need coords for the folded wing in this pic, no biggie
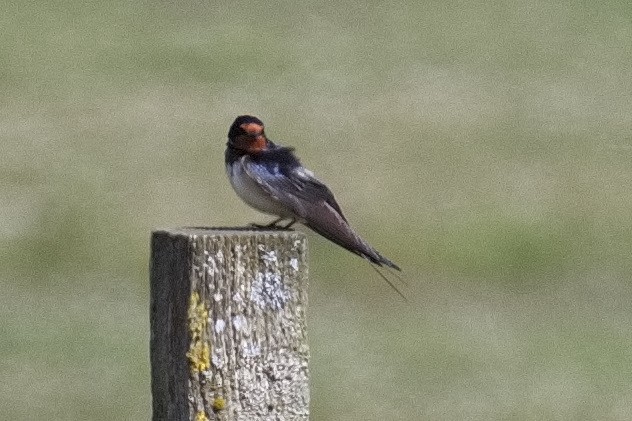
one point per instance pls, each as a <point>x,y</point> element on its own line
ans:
<point>312,202</point>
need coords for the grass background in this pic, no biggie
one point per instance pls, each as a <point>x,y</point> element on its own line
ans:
<point>484,147</point>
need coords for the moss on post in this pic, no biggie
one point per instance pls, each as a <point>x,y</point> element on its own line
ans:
<point>228,334</point>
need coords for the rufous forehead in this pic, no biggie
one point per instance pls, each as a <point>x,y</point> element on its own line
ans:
<point>252,128</point>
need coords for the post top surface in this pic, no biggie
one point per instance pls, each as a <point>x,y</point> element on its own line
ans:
<point>211,231</point>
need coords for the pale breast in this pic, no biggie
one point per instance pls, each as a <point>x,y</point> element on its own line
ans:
<point>251,193</point>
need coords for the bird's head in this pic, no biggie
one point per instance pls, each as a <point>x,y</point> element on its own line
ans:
<point>247,135</point>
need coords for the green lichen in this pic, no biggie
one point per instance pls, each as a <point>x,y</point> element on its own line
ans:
<point>199,350</point>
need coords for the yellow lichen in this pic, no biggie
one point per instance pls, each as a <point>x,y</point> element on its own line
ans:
<point>219,404</point>
<point>198,355</point>
<point>198,316</point>
<point>201,416</point>
<point>199,350</point>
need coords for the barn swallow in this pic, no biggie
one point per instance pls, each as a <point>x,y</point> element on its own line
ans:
<point>271,179</point>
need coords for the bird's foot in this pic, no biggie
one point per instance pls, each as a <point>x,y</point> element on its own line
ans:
<point>292,222</point>
<point>274,225</point>
<point>258,226</point>
<point>271,226</point>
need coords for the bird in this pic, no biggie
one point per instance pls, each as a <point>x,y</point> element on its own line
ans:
<point>271,179</point>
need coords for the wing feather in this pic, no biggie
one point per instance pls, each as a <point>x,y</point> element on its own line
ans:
<point>313,203</point>
<point>294,187</point>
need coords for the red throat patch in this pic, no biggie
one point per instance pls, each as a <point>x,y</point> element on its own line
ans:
<point>254,140</point>
<point>258,144</point>
<point>252,129</point>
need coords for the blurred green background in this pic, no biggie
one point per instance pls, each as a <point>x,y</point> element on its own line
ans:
<point>485,148</point>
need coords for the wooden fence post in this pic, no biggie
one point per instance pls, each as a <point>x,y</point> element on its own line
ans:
<point>228,335</point>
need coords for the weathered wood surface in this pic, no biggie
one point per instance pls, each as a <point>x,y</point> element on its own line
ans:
<point>228,333</point>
